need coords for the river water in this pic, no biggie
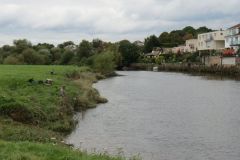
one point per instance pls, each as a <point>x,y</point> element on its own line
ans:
<point>163,116</point>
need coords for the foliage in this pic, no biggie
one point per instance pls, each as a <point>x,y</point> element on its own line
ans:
<point>11,60</point>
<point>21,45</point>
<point>104,63</point>
<point>67,57</point>
<point>84,49</point>
<point>178,37</point>
<point>67,53</point>
<point>150,43</point>
<point>32,57</point>
<point>129,52</point>
<point>159,60</point>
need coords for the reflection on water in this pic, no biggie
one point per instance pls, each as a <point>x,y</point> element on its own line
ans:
<point>163,116</point>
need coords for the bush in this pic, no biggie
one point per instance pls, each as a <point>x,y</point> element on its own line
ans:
<point>104,63</point>
<point>11,60</point>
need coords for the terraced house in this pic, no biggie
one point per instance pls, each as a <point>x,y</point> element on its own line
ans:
<point>232,38</point>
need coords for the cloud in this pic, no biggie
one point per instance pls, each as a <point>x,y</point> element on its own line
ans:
<point>60,20</point>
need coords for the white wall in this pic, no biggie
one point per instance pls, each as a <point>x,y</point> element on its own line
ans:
<point>229,60</point>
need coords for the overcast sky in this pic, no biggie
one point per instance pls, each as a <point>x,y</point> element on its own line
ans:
<point>55,21</point>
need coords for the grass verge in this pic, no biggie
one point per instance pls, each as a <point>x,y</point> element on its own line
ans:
<point>38,151</point>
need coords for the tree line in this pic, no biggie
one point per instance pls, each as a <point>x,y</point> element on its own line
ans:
<point>86,53</point>
<point>97,53</point>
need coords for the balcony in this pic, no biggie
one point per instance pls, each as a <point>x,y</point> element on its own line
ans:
<point>233,32</point>
<point>235,43</point>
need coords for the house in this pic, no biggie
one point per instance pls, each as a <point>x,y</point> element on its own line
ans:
<point>232,38</point>
<point>191,45</point>
<point>178,50</point>
<point>155,52</point>
<point>211,41</point>
<point>139,43</point>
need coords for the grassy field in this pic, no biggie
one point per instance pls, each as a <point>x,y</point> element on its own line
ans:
<point>37,151</point>
<point>35,111</point>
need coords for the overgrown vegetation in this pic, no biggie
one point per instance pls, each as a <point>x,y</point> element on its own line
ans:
<point>27,102</point>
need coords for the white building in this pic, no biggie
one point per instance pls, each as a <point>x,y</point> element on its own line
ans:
<point>191,45</point>
<point>178,50</point>
<point>211,40</point>
<point>232,38</point>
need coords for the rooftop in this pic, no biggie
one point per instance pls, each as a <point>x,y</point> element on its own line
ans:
<point>236,26</point>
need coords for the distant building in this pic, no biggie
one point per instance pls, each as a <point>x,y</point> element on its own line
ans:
<point>232,38</point>
<point>179,50</point>
<point>155,52</point>
<point>191,45</point>
<point>139,43</point>
<point>211,40</point>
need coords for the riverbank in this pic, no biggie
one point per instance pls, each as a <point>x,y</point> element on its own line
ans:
<point>37,105</point>
<point>231,71</point>
<point>38,151</point>
<point>29,104</point>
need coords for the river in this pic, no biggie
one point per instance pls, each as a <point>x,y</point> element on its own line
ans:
<point>163,116</point>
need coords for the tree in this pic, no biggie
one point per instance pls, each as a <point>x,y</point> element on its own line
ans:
<point>84,49</point>
<point>150,43</point>
<point>45,53</point>
<point>43,46</point>
<point>11,60</point>
<point>189,30</point>
<point>164,38</point>
<point>56,55</point>
<point>30,56</point>
<point>67,57</point>
<point>129,52</point>
<point>104,63</point>
<point>176,38</point>
<point>97,43</point>
<point>188,36</point>
<point>203,30</point>
<point>65,44</point>
<point>21,45</point>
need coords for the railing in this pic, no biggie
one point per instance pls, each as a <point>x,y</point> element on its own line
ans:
<point>232,43</point>
<point>233,32</point>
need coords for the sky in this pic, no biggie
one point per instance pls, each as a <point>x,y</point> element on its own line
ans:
<point>56,21</point>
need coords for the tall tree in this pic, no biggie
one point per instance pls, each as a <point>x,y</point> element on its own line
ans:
<point>21,45</point>
<point>150,43</point>
<point>129,52</point>
<point>84,49</point>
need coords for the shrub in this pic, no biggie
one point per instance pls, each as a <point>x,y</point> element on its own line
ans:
<point>104,63</point>
<point>11,60</point>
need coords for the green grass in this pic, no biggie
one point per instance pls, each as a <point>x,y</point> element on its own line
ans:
<point>28,107</point>
<point>37,151</point>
